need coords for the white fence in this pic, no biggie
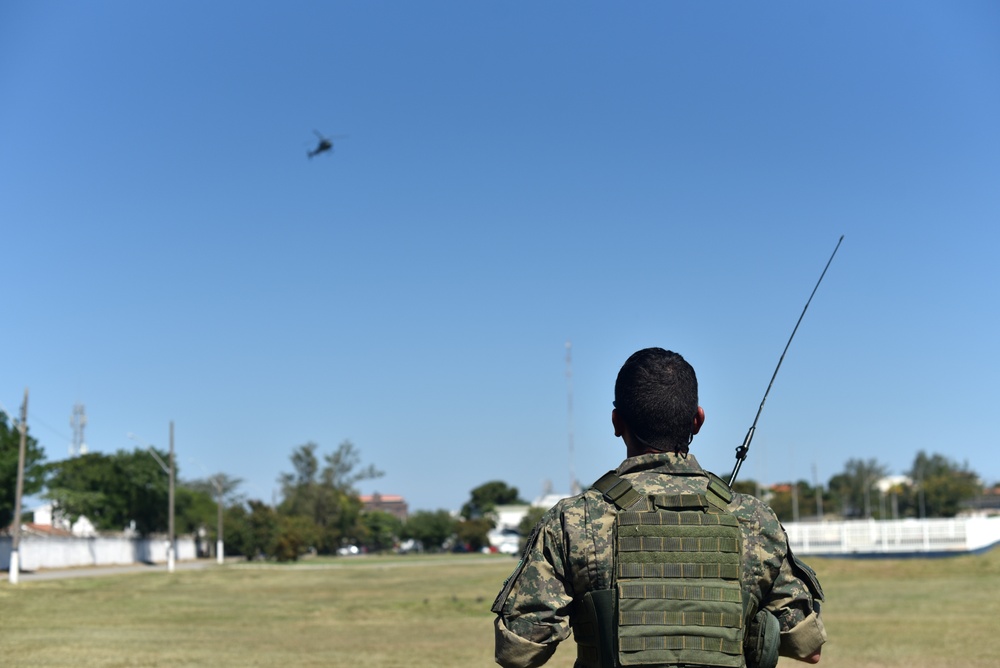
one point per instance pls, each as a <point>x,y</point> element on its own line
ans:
<point>894,537</point>
<point>858,538</point>
<point>42,552</point>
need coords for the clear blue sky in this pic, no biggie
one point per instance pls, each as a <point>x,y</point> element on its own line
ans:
<point>514,176</point>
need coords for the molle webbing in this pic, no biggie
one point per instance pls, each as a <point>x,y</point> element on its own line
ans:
<point>617,490</point>
<point>677,577</point>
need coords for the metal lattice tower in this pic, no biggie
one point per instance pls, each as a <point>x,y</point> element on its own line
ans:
<point>78,421</point>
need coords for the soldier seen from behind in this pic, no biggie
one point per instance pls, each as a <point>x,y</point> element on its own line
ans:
<point>659,563</point>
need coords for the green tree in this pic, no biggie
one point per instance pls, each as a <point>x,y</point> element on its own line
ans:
<point>530,519</point>
<point>220,486</point>
<point>341,471</point>
<point>222,490</point>
<point>112,491</point>
<point>382,530</point>
<point>238,541</point>
<point>485,498</point>
<point>194,509</point>
<point>253,530</point>
<point>941,486</point>
<point>854,489</point>
<point>749,487</point>
<point>326,496</point>
<point>473,534</point>
<point>304,495</point>
<point>430,528</point>
<point>295,535</point>
<point>793,501</point>
<point>34,467</point>
<point>527,524</point>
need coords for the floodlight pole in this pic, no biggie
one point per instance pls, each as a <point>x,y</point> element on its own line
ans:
<point>169,470</point>
<point>15,545</point>
<point>170,547</point>
<point>219,545</point>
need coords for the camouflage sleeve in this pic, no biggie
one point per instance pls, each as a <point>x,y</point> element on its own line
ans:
<point>795,601</point>
<point>789,589</point>
<point>533,605</point>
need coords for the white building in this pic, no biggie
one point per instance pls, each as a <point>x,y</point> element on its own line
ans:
<point>505,537</point>
<point>81,527</point>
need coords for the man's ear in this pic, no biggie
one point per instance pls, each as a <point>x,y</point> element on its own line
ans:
<point>699,419</point>
<point>617,422</point>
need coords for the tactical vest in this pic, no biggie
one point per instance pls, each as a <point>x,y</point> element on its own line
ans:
<point>675,598</point>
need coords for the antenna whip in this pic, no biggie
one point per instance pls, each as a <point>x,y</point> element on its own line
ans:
<point>741,452</point>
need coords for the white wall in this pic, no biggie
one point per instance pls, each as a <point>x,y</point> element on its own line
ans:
<point>42,552</point>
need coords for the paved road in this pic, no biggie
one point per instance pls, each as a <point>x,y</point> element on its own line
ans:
<point>60,573</point>
<point>349,562</point>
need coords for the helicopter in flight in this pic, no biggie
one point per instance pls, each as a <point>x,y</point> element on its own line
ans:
<point>325,144</point>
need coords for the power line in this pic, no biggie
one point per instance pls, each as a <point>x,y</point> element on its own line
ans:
<point>34,419</point>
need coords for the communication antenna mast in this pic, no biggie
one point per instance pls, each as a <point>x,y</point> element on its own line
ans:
<point>78,421</point>
<point>574,486</point>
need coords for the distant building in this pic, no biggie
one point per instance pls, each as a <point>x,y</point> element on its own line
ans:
<point>35,529</point>
<point>986,504</point>
<point>45,516</point>
<point>509,516</point>
<point>389,503</point>
<point>891,482</point>
<point>505,537</point>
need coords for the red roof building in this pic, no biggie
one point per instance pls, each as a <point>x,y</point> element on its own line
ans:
<point>389,503</point>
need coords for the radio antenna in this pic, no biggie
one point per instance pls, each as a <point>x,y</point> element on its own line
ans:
<point>741,452</point>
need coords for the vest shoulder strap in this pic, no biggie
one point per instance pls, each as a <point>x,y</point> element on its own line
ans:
<point>719,493</point>
<point>616,490</point>
<point>620,493</point>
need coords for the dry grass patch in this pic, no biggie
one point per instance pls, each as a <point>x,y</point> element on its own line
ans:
<point>911,613</point>
<point>424,612</point>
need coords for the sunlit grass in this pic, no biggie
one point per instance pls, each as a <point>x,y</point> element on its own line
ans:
<point>912,613</point>
<point>434,612</point>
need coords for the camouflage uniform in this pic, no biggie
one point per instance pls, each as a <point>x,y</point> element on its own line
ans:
<point>570,553</point>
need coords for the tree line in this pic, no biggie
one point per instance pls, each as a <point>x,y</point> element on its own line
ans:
<point>934,486</point>
<point>320,510</point>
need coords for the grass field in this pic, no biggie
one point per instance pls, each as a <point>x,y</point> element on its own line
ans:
<point>418,612</point>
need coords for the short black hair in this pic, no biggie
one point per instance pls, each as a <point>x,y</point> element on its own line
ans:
<point>657,395</point>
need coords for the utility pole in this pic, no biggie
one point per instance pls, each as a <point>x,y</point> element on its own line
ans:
<point>219,545</point>
<point>920,489</point>
<point>819,495</point>
<point>15,546</point>
<point>169,470</point>
<point>795,492</point>
<point>795,501</point>
<point>170,546</point>
<point>868,494</point>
